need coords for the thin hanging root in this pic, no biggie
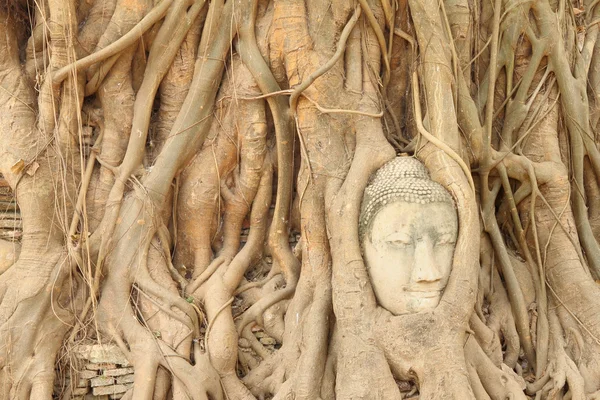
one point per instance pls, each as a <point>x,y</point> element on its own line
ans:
<point>84,187</point>
<point>380,38</point>
<point>341,111</point>
<point>441,145</point>
<point>114,48</point>
<point>339,52</point>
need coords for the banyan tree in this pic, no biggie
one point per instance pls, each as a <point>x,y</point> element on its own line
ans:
<point>209,186</point>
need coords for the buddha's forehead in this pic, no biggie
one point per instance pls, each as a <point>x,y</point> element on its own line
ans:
<point>403,179</point>
<point>413,217</point>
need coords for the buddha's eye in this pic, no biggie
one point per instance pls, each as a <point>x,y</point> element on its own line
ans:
<point>399,241</point>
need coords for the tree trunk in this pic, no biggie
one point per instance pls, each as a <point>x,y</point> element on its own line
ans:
<point>183,179</point>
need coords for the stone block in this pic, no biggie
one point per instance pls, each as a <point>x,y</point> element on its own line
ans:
<point>102,381</point>
<point>118,371</point>
<point>91,396</point>
<point>108,390</point>
<point>125,379</point>
<point>101,354</point>
<point>100,367</point>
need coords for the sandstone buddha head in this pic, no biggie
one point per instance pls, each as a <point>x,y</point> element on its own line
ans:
<point>408,229</point>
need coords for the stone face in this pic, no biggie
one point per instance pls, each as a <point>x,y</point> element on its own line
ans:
<point>118,371</point>
<point>408,231</point>
<point>409,255</point>
<point>108,390</point>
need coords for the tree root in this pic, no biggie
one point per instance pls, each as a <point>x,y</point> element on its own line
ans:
<point>498,383</point>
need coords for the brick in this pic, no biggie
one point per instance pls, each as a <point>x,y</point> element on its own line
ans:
<point>113,389</point>
<point>116,396</point>
<point>100,367</point>
<point>125,379</point>
<point>102,381</point>
<point>118,371</point>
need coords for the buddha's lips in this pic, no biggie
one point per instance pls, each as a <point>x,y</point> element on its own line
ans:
<point>424,293</point>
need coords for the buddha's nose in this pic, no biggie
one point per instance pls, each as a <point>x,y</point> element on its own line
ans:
<point>425,265</point>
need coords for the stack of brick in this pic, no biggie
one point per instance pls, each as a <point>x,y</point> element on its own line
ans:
<point>10,218</point>
<point>106,373</point>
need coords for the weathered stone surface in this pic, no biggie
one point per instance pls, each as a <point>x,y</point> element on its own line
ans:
<point>408,229</point>
<point>102,381</point>
<point>113,389</point>
<point>125,379</point>
<point>87,374</point>
<point>100,354</point>
<point>118,371</point>
<point>91,396</point>
<point>80,391</point>
<point>98,367</point>
<point>82,383</point>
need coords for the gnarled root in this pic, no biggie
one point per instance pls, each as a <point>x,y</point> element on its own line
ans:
<point>499,384</point>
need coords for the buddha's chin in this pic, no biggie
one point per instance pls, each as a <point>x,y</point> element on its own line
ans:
<point>414,302</point>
